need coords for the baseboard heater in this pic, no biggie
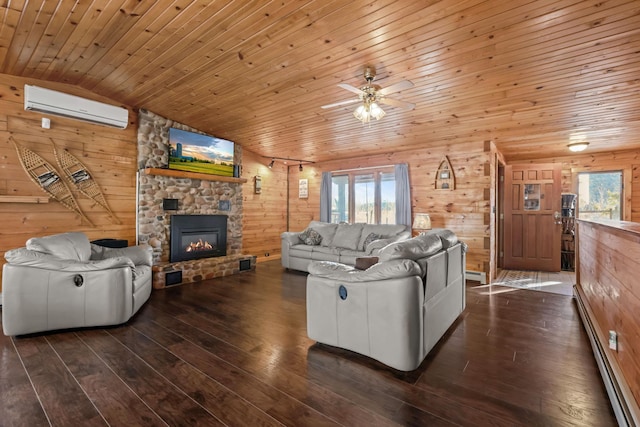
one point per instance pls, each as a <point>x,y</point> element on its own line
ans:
<point>476,276</point>
<point>620,400</point>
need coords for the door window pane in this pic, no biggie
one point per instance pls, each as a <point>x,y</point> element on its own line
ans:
<point>531,197</point>
<point>599,195</point>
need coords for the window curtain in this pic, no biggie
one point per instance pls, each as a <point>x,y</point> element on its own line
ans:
<point>403,195</point>
<point>325,197</point>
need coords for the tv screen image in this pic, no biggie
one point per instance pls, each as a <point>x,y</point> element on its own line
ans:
<point>194,152</point>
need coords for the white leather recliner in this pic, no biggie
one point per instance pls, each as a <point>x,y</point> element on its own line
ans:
<point>395,311</point>
<point>64,281</point>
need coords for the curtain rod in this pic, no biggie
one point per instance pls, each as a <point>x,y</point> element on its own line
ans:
<point>361,169</point>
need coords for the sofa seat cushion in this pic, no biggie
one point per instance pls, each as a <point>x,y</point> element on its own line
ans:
<point>393,269</point>
<point>413,249</point>
<point>301,251</point>
<point>303,248</point>
<point>348,256</point>
<point>74,246</point>
<point>347,236</point>
<point>321,253</point>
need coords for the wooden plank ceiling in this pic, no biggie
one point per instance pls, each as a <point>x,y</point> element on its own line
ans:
<point>530,75</point>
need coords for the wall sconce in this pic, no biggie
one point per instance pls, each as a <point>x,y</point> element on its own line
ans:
<point>578,146</point>
<point>422,221</point>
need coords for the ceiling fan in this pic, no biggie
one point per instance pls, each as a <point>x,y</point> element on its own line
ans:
<point>370,95</point>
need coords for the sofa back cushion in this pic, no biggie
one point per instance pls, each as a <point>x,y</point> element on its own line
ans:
<point>347,236</point>
<point>326,230</point>
<point>394,269</point>
<point>384,230</point>
<point>419,247</point>
<point>73,246</point>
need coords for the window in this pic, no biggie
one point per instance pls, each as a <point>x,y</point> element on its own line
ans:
<point>367,196</point>
<point>599,195</point>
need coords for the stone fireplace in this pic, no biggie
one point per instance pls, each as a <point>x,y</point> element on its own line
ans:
<point>196,197</point>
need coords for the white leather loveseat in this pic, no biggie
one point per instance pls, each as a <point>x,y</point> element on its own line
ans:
<point>63,281</point>
<point>396,310</point>
<point>322,241</point>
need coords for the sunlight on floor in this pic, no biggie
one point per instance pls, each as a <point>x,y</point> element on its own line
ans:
<point>513,280</point>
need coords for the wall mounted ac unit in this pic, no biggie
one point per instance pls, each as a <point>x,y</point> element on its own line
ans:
<point>61,104</point>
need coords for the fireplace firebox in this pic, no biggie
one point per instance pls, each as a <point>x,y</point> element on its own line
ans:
<point>197,236</point>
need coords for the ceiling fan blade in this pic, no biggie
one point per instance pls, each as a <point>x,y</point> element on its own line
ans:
<point>338,104</point>
<point>405,84</point>
<point>396,103</point>
<point>350,88</point>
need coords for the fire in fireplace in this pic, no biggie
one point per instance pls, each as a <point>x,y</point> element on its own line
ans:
<point>197,236</point>
<point>199,246</point>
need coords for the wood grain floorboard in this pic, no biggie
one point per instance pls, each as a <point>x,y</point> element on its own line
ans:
<point>19,404</point>
<point>117,403</point>
<point>61,396</point>
<point>234,351</point>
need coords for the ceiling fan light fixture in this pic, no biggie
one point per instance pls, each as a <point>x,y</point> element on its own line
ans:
<point>362,113</point>
<point>368,111</point>
<point>376,112</point>
<point>578,146</point>
<point>370,96</point>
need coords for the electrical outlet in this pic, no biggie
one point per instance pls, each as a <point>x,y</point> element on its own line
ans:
<point>613,340</point>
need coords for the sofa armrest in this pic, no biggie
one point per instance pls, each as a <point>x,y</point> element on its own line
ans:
<point>25,257</point>
<point>290,237</point>
<point>139,255</point>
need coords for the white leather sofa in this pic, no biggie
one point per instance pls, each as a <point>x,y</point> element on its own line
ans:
<point>396,310</point>
<point>63,281</point>
<point>341,243</point>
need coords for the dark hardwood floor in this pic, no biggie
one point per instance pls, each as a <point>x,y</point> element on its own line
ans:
<point>234,351</point>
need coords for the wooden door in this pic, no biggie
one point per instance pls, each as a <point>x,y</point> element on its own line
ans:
<point>532,233</point>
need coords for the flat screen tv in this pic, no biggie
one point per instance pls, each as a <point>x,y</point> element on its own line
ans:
<point>194,152</point>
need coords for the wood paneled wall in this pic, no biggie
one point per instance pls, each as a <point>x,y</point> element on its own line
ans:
<point>607,275</point>
<point>465,210</point>
<point>264,214</point>
<point>110,155</point>
<point>626,161</point>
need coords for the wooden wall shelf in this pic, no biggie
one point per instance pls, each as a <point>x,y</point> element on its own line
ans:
<point>193,175</point>
<point>445,179</point>
<point>24,199</point>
